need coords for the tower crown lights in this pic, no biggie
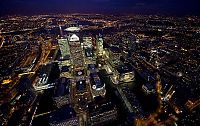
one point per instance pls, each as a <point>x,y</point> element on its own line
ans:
<point>74,38</point>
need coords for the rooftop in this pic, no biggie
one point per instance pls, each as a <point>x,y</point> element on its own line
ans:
<point>81,86</point>
<point>62,87</point>
<point>115,49</point>
<point>62,114</point>
<point>96,82</point>
<point>74,38</point>
<point>100,106</point>
<point>125,68</point>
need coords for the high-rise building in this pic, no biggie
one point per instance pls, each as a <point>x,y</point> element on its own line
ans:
<point>114,56</point>
<point>97,86</point>
<point>77,55</point>
<point>125,73</point>
<point>99,46</point>
<point>61,32</point>
<point>121,72</point>
<point>61,92</point>
<point>80,81</point>
<point>64,116</point>
<point>87,42</point>
<point>101,112</point>
<point>64,48</point>
<point>90,56</point>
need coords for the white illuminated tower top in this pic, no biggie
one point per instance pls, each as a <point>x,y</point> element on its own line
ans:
<point>74,38</point>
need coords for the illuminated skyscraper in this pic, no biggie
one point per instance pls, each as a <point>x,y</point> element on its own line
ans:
<point>87,41</point>
<point>100,46</point>
<point>64,48</point>
<point>97,86</point>
<point>90,57</point>
<point>77,55</point>
<point>80,81</point>
<point>61,32</point>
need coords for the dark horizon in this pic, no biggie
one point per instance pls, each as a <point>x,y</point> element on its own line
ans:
<point>35,7</point>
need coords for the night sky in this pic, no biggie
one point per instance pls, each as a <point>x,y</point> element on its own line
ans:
<point>31,7</point>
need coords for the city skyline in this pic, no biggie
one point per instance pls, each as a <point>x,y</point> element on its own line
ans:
<point>99,63</point>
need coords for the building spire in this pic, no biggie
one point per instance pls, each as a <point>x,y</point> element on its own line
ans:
<point>61,32</point>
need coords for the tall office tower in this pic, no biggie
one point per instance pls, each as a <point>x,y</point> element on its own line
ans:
<point>100,45</point>
<point>114,56</point>
<point>89,51</point>
<point>101,112</point>
<point>80,82</point>
<point>87,42</point>
<point>77,55</point>
<point>64,116</point>
<point>61,32</point>
<point>97,86</point>
<point>76,51</point>
<point>64,48</point>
